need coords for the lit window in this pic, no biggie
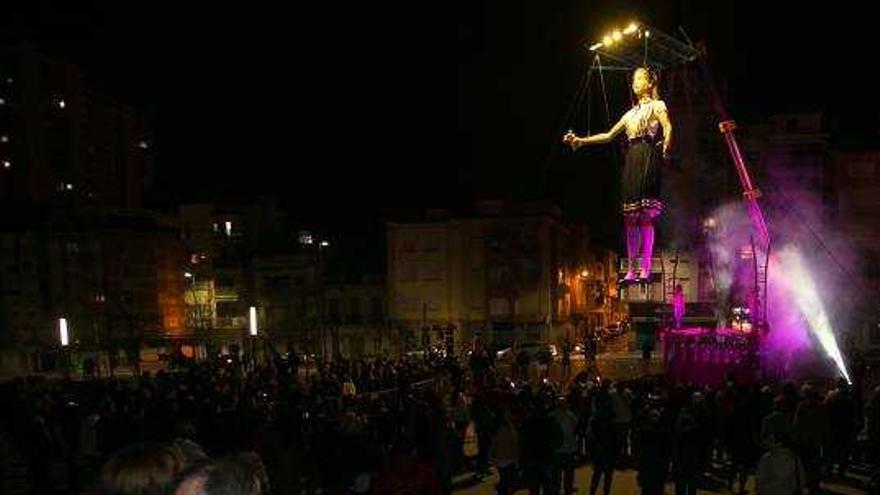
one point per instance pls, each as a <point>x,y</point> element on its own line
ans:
<point>4,139</point>
<point>68,186</point>
<point>2,101</point>
<point>228,226</point>
<point>7,164</point>
<point>62,104</point>
<point>143,145</point>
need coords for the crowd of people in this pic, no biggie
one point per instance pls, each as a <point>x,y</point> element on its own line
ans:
<point>313,428</point>
<point>387,426</point>
<point>790,438</point>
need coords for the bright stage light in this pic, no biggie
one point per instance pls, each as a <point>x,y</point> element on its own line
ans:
<point>631,28</point>
<point>608,40</point>
<point>617,35</point>
<point>596,46</point>
<point>647,34</point>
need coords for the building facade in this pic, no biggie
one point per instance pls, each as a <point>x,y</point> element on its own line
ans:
<point>63,142</point>
<point>504,273</point>
<point>113,275</point>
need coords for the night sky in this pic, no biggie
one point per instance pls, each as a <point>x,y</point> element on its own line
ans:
<point>453,100</point>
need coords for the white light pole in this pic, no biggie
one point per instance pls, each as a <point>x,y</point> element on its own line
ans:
<point>62,332</point>
<point>252,314</point>
<point>252,325</point>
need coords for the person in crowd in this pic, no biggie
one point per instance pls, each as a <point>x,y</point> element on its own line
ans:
<point>780,470</point>
<point>564,462</point>
<point>603,440</point>
<point>147,468</point>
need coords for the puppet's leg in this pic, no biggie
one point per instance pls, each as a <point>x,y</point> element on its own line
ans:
<point>631,223</point>
<point>646,230</point>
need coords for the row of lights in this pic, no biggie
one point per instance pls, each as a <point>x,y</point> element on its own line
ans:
<point>617,36</point>
<point>4,139</point>
<point>64,336</point>
<point>60,103</point>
